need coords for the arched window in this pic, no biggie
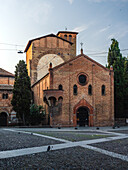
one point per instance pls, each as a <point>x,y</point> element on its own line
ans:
<point>60,87</point>
<point>70,37</point>
<point>52,100</point>
<point>65,37</point>
<point>60,99</point>
<point>90,89</point>
<point>103,90</point>
<point>5,96</point>
<point>75,89</point>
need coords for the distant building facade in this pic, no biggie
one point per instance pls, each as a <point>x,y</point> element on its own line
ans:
<point>74,90</point>
<point>7,115</point>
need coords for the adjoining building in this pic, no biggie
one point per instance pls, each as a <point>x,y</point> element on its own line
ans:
<point>7,115</point>
<point>74,90</point>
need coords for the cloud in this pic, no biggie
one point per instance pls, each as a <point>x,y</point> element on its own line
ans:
<point>99,1</point>
<point>70,1</point>
<point>80,29</point>
<point>111,36</point>
<point>121,32</point>
<point>38,11</point>
<point>104,29</point>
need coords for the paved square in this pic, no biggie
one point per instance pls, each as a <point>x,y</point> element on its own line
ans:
<point>84,148</point>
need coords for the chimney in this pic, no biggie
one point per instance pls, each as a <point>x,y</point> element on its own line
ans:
<point>50,76</point>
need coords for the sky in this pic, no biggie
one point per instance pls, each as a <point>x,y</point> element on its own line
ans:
<point>97,21</point>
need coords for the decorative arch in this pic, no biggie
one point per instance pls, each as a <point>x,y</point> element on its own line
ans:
<point>36,59</point>
<point>83,103</point>
<point>5,111</point>
<point>43,63</point>
<point>52,100</point>
<point>60,98</point>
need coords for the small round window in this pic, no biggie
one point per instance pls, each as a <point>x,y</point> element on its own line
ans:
<point>82,79</point>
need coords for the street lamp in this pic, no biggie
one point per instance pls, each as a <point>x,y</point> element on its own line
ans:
<point>20,52</point>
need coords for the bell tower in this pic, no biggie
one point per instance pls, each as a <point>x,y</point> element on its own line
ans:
<point>69,36</point>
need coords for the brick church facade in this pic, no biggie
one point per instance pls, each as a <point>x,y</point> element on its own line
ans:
<point>74,90</point>
<point>7,115</point>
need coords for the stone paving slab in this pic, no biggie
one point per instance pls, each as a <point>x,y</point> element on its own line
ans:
<point>70,158</point>
<point>117,146</point>
<point>74,136</point>
<point>17,140</point>
<point>121,131</point>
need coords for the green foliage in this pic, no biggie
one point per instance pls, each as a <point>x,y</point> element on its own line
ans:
<point>36,114</point>
<point>120,67</point>
<point>22,92</point>
<point>114,52</point>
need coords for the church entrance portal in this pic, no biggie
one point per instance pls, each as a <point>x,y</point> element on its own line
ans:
<point>82,116</point>
<point>3,119</point>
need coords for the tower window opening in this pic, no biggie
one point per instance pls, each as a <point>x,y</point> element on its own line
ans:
<point>65,37</point>
<point>70,37</point>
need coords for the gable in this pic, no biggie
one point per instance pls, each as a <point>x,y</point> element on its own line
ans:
<point>77,58</point>
<point>4,73</point>
<point>45,37</point>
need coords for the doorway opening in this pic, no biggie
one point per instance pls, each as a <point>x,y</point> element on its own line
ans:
<point>82,116</point>
<point>3,119</point>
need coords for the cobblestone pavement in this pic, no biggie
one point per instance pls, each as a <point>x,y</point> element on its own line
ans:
<point>110,154</point>
<point>117,146</point>
<point>121,131</point>
<point>10,140</point>
<point>65,159</point>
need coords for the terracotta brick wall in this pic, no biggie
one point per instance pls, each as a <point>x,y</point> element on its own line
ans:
<point>7,80</point>
<point>97,76</point>
<point>47,45</point>
<point>6,86</point>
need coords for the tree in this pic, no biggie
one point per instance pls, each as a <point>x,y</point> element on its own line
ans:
<point>119,86</point>
<point>120,67</point>
<point>114,52</point>
<point>36,114</point>
<point>22,92</point>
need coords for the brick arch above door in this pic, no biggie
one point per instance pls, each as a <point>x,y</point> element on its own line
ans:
<point>83,103</point>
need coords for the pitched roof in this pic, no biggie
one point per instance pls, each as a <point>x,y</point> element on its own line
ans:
<point>69,32</point>
<point>80,55</point>
<point>39,80</point>
<point>49,35</point>
<point>4,73</point>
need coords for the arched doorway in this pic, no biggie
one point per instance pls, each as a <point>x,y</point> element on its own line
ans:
<point>3,119</point>
<point>82,116</point>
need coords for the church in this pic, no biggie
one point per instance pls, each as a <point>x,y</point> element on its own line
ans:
<point>73,90</point>
<point>7,115</point>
